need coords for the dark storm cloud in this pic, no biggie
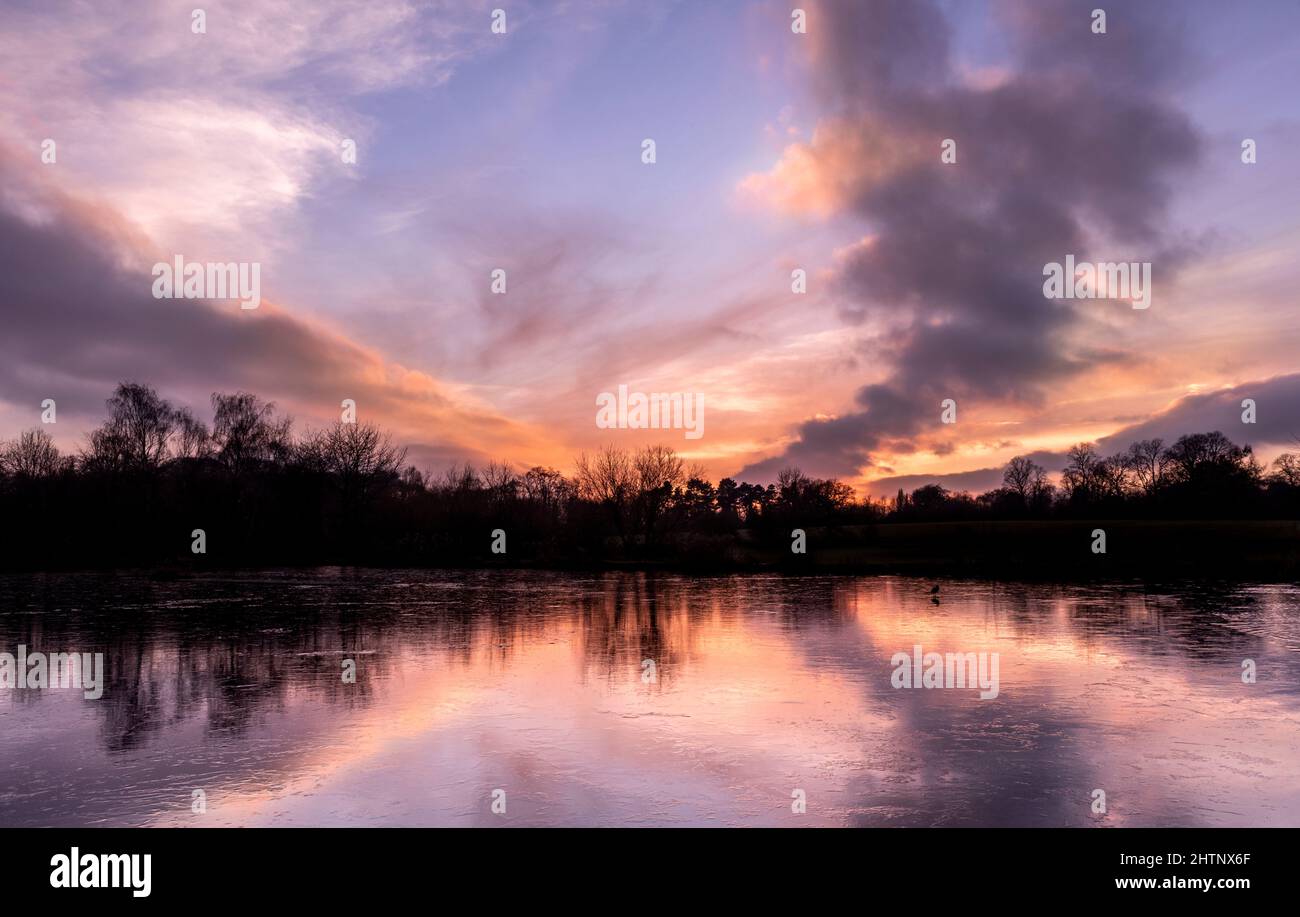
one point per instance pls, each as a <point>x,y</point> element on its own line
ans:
<point>79,317</point>
<point>77,322</point>
<point>871,52</point>
<point>1073,147</point>
<point>1277,425</point>
<point>1277,416</point>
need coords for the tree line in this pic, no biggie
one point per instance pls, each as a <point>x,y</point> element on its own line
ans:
<point>1198,476</point>
<point>153,474</point>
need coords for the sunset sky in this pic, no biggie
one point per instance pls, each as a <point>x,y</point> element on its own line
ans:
<point>775,151</point>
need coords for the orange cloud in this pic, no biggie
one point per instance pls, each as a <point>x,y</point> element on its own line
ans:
<point>823,176</point>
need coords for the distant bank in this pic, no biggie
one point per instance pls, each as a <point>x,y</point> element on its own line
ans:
<point>1075,549</point>
<point>1070,550</point>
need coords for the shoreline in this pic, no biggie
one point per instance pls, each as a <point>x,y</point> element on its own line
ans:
<point>1030,550</point>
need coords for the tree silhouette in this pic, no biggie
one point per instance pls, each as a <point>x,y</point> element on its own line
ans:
<point>153,472</point>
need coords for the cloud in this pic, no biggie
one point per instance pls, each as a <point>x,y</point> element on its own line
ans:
<point>1068,153</point>
<point>1276,428</point>
<point>80,317</point>
<point>976,481</point>
<point>1277,416</point>
<point>820,177</point>
<point>342,47</point>
<point>207,140</point>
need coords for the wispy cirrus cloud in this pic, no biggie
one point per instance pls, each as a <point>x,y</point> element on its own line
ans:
<point>212,139</point>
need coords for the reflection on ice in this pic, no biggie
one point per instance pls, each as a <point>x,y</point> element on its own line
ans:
<point>759,690</point>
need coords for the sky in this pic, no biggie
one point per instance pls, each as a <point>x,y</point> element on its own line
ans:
<point>775,151</point>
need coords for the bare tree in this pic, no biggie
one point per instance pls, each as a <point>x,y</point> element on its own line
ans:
<point>1024,477</point>
<point>460,479</point>
<point>190,439</point>
<point>1286,469</point>
<point>656,466</point>
<point>547,490</point>
<point>1082,475</point>
<point>606,476</point>
<point>545,486</point>
<point>791,483</point>
<point>1145,461</point>
<point>246,431</point>
<point>500,482</point>
<point>139,426</point>
<point>413,478</point>
<point>609,479</point>
<point>32,455</point>
<point>354,452</point>
<point>1112,478</point>
<point>1195,454</point>
<point>658,470</point>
